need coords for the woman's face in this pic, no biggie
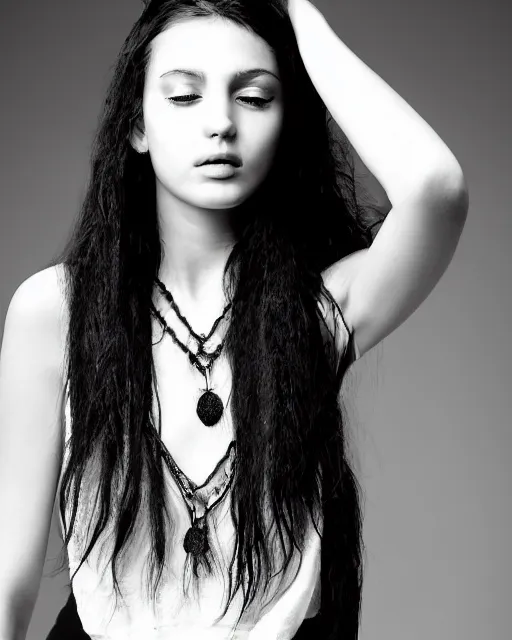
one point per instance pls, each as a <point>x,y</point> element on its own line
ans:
<point>211,87</point>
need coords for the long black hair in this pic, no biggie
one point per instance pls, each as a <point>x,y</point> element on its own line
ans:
<point>286,408</point>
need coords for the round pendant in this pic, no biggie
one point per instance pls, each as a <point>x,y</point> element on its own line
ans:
<point>209,408</point>
<point>196,541</point>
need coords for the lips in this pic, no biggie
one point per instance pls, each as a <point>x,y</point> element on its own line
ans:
<point>221,158</point>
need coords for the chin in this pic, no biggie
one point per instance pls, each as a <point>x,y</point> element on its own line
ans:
<point>222,206</point>
<point>221,200</point>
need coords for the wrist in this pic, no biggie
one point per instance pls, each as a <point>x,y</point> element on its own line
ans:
<point>298,7</point>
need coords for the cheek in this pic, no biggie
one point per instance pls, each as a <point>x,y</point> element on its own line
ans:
<point>169,147</point>
<point>167,136</point>
<point>264,143</point>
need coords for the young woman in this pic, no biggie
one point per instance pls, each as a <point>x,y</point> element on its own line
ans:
<point>174,376</point>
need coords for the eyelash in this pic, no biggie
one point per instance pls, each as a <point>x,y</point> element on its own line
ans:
<point>257,102</point>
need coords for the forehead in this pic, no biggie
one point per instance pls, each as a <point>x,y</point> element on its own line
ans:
<point>212,44</point>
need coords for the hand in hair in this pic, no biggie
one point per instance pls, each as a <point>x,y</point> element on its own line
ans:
<point>290,5</point>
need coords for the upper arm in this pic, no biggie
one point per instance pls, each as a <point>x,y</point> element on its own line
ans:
<point>31,392</point>
<point>380,287</point>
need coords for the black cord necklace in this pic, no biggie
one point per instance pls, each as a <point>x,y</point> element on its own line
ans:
<point>196,538</point>
<point>209,406</point>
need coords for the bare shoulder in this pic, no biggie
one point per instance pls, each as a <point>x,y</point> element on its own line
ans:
<point>337,279</point>
<point>338,276</point>
<point>42,293</point>
<point>39,304</point>
<point>31,434</point>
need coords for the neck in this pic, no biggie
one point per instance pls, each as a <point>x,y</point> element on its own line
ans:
<point>196,243</point>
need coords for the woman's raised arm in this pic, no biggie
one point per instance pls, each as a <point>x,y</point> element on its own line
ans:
<point>380,287</point>
<point>31,410</point>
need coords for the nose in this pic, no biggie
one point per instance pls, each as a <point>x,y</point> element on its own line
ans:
<point>219,119</point>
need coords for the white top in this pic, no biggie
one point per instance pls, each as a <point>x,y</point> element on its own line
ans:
<point>297,596</point>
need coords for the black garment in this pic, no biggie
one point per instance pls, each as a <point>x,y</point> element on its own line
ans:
<point>69,627</point>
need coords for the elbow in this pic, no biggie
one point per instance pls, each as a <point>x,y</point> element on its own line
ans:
<point>450,187</point>
<point>440,183</point>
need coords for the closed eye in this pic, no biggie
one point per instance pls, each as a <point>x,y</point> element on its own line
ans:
<point>257,102</point>
<point>179,99</point>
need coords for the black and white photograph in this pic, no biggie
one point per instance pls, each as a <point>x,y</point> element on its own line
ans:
<point>255,303</point>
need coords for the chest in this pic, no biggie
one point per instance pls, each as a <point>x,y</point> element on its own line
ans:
<point>196,448</point>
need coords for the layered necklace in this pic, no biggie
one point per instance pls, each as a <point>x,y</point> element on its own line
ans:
<point>201,499</point>
<point>209,406</point>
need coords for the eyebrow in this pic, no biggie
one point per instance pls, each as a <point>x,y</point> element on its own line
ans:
<point>248,74</point>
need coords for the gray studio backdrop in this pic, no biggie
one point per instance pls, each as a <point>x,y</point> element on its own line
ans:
<point>431,406</point>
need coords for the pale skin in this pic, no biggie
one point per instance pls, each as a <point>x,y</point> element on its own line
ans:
<point>380,287</point>
<point>377,288</point>
<point>194,210</point>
